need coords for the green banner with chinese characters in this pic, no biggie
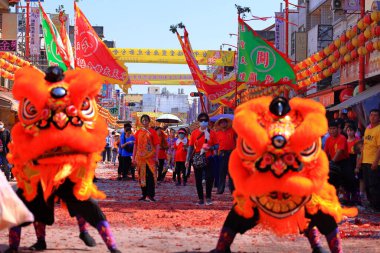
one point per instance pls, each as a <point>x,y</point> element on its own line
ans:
<point>259,62</point>
<point>53,57</point>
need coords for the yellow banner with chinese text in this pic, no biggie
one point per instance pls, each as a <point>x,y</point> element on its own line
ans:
<point>173,56</point>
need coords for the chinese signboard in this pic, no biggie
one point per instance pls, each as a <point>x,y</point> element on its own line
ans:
<point>35,31</point>
<point>8,45</point>
<point>279,32</point>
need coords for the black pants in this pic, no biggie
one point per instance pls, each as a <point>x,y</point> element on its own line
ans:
<point>342,173</point>
<point>223,171</point>
<point>123,166</point>
<point>129,167</point>
<point>209,180</point>
<point>149,189</point>
<point>43,211</point>
<point>324,222</point>
<point>161,163</point>
<point>372,184</point>
<point>5,167</point>
<point>180,169</point>
<point>107,153</point>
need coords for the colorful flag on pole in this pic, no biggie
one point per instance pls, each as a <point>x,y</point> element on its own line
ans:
<point>259,63</point>
<point>91,52</point>
<point>53,42</point>
<point>214,90</point>
<point>69,56</point>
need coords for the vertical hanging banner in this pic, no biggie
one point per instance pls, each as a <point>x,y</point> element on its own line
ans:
<point>259,63</point>
<point>35,31</point>
<point>279,36</point>
<point>92,53</point>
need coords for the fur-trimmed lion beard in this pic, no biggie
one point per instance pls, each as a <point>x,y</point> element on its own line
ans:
<point>51,172</point>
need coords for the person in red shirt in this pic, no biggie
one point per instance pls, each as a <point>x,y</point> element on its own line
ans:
<point>203,141</point>
<point>180,147</point>
<point>227,142</point>
<point>162,155</point>
<point>145,156</point>
<point>341,172</point>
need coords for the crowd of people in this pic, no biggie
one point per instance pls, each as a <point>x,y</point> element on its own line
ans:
<point>355,160</point>
<point>153,152</point>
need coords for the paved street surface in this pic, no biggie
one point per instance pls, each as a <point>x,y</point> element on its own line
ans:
<point>175,224</point>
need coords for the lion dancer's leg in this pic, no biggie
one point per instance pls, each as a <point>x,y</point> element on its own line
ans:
<point>312,235</point>
<point>234,224</point>
<point>326,224</point>
<point>83,232</point>
<point>90,211</point>
<point>14,239</point>
<point>40,230</point>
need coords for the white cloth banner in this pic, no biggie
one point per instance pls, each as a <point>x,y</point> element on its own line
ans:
<point>35,22</point>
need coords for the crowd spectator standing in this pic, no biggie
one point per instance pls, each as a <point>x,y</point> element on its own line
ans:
<point>371,159</point>
<point>227,142</point>
<point>201,147</point>
<point>5,138</point>
<point>115,147</point>
<point>127,141</point>
<point>171,152</point>
<point>162,155</point>
<point>341,172</point>
<point>352,141</point>
<point>107,149</point>
<point>145,156</point>
<point>180,147</point>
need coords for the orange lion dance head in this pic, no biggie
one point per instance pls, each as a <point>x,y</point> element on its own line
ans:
<point>279,166</point>
<point>60,133</point>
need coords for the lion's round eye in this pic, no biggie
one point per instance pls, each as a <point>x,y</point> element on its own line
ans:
<point>311,150</point>
<point>29,111</point>
<point>87,108</point>
<point>247,150</point>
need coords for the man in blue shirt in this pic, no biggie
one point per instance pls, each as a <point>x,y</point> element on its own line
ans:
<point>127,141</point>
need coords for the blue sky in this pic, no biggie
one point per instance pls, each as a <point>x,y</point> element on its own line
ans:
<point>145,24</point>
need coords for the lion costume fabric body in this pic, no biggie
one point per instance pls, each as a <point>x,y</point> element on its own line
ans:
<point>280,171</point>
<point>56,144</point>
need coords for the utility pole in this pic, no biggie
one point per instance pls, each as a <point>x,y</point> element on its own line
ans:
<point>361,57</point>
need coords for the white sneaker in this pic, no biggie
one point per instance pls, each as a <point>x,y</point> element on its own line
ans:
<point>203,181</point>
<point>208,202</point>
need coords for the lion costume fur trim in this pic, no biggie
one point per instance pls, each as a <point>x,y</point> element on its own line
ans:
<point>29,142</point>
<point>312,180</point>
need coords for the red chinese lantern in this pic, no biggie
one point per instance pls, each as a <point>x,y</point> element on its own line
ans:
<point>346,94</point>
<point>367,19</point>
<point>361,39</point>
<point>377,31</point>
<point>322,54</point>
<point>349,46</point>
<point>369,46</point>
<point>354,54</point>
<point>336,54</point>
<point>351,115</point>
<point>332,47</point>
<point>343,38</point>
